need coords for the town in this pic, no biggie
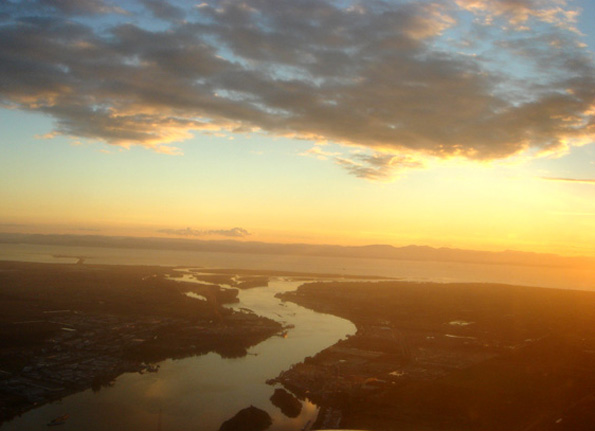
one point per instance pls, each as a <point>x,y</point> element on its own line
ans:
<point>57,341</point>
<point>451,356</point>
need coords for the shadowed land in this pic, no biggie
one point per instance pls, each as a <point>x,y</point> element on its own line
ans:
<point>452,357</point>
<point>248,419</point>
<point>426,356</point>
<point>65,328</point>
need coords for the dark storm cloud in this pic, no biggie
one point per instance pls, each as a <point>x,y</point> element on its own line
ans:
<point>369,75</point>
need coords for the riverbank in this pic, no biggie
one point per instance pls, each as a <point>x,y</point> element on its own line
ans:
<point>65,328</point>
<point>451,357</point>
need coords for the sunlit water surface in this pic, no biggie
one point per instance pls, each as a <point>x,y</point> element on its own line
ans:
<point>200,393</point>
<point>563,278</point>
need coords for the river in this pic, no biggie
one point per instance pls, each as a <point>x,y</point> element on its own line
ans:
<point>200,393</point>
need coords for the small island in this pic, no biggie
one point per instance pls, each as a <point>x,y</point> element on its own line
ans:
<point>290,406</point>
<point>248,419</point>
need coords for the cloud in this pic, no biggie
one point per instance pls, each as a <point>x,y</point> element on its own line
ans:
<point>378,167</point>
<point>570,180</point>
<point>319,153</point>
<point>236,232</point>
<point>519,12</point>
<point>82,7</point>
<point>162,9</point>
<point>382,76</point>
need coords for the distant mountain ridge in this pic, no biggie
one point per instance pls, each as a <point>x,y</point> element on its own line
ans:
<point>377,251</point>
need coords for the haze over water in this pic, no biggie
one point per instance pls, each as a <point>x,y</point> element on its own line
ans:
<point>463,125</point>
<point>444,272</point>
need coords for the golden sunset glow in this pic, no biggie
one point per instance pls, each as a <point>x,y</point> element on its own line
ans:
<point>285,215</point>
<point>429,123</point>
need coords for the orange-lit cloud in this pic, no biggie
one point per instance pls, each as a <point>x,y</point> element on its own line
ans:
<point>377,76</point>
<point>519,12</point>
<point>570,180</point>
<point>319,153</point>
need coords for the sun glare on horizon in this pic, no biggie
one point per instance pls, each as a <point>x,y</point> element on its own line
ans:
<point>449,124</point>
<point>283,215</point>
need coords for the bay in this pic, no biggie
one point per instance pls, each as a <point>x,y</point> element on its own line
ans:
<point>444,272</point>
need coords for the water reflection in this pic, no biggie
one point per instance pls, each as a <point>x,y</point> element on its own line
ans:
<point>287,403</point>
<point>203,392</point>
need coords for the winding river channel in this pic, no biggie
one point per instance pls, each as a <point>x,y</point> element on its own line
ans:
<point>201,392</point>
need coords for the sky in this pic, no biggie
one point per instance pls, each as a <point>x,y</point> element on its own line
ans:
<point>451,123</point>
